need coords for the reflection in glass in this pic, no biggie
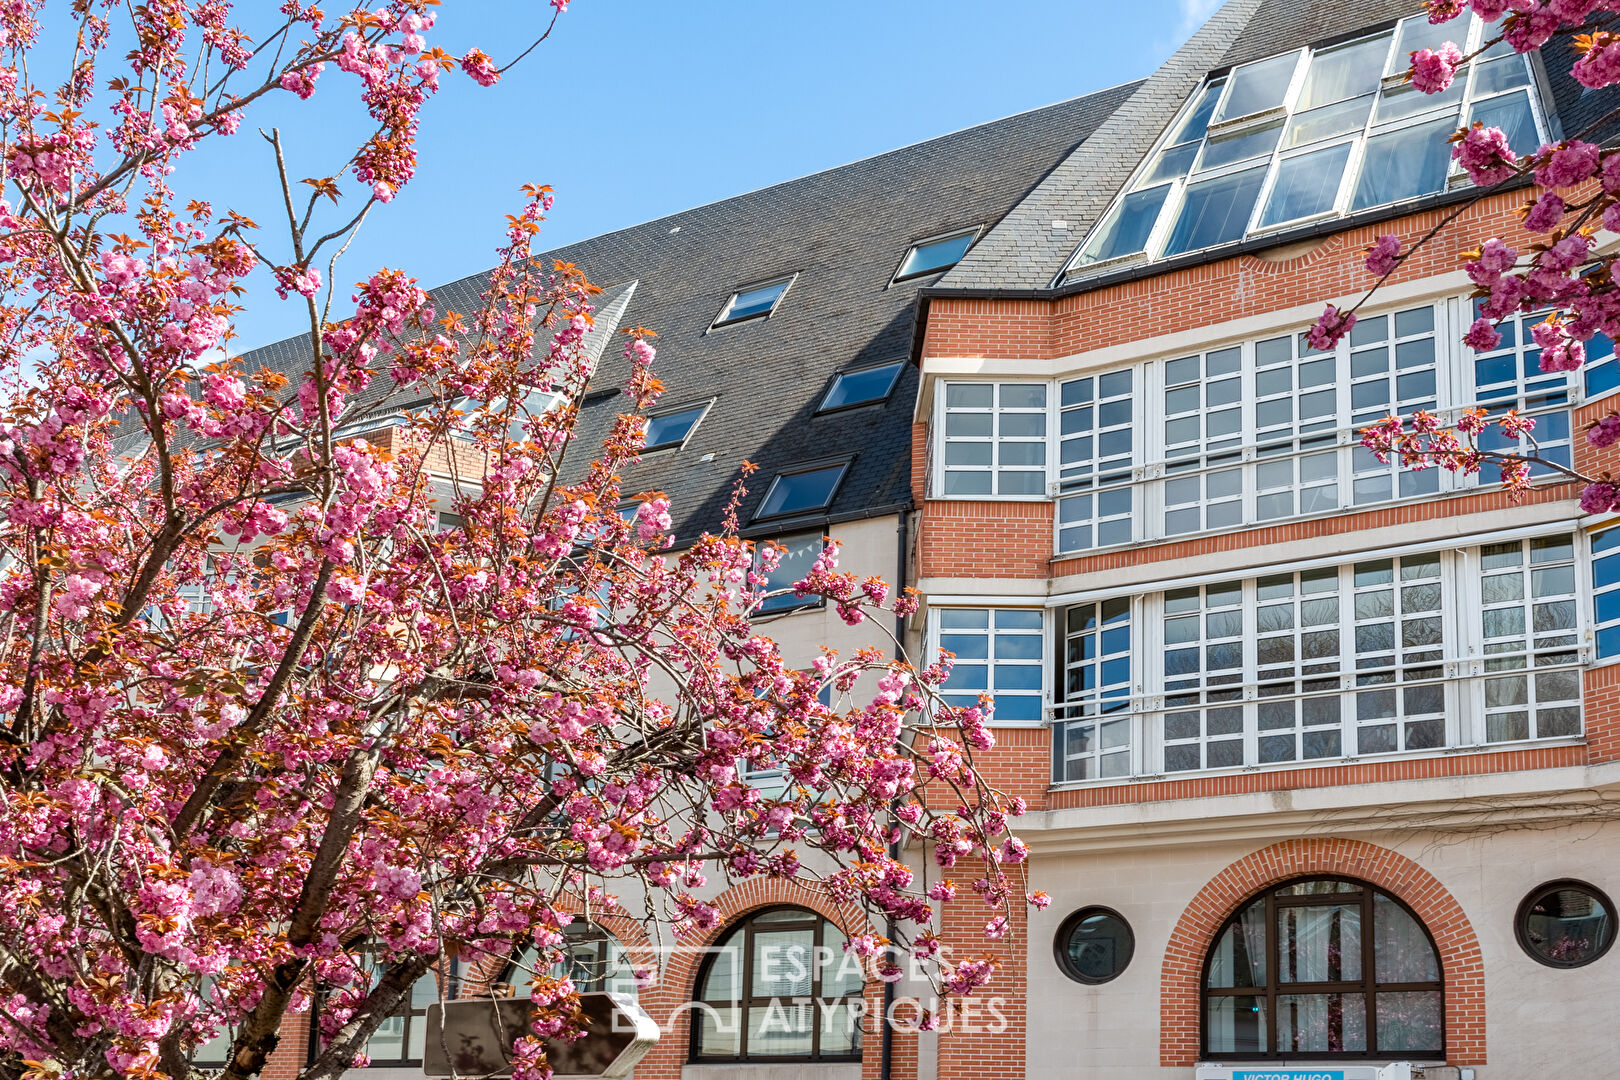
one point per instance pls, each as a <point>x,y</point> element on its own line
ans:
<point>1306,185</point>
<point>1126,230</point>
<point>1215,211</point>
<point>1328,121</point>
<point>1257,87</point>
<point>1404,164</point>
<point>1567,926</point>
<point>1344,72</point>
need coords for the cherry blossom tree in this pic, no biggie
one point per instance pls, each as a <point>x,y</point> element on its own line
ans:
<point>267,727</point>
<point>1572,192</point>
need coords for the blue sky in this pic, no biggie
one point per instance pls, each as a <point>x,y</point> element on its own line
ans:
<point>637,108</point>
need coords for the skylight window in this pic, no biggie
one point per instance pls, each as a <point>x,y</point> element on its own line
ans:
<point>1310,135</point>
<point>670,430</point>
<point>754,302</point>
<point>929,256</point>
<point>801,491</point>
<point>851,388</point>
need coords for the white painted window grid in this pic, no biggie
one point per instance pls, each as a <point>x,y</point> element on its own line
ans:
<point>1422,653</point>
<point>1291,133</point>
<point>998,651</point>
<point>1255,432</point>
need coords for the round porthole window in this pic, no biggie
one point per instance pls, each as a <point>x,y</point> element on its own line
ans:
<point>1094,945</point>
<point>1565,924</point>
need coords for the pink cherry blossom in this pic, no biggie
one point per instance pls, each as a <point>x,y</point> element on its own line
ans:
<point>1384,255</point>
<point>1485,155</point>
<point>1567,163</point>
<point>1329,327</point>
<point>1433,69</point>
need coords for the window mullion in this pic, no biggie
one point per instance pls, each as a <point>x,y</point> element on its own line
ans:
<point>1251,674</point>
<point>1150,685</point>
<point>1465,632</point>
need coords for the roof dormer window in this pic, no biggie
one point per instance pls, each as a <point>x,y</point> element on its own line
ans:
<point>670,430</point>
<point>863,387</point>
<point>753,302</point>
<point>935,254</point>
<point>1311,135</point>
<point>803,490</point>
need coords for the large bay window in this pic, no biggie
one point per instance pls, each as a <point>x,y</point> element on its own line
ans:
<point>1245,434</point>
<point>1406,653</point>
<point>1311,135</point>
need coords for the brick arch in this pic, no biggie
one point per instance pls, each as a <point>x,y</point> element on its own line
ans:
<point>1327,247</point>
<point>678,971</point>
<point>1181,974</point>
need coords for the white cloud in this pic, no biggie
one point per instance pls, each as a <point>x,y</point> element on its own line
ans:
<point>1191,14</point>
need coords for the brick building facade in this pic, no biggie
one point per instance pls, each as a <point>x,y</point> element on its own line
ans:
<point>1322,755</point>
<point>1319,752</point>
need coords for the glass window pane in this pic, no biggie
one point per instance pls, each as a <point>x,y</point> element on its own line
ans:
<point>840,971</point>
<point>1239,959</point>
<point>1410,1022</point>
<point>1192,128</point>
<point>671,429</point>
<point>1215,211</point>
<point>1256,87</point>
<point>1328,121</point>
<point>1567,926</point>
<point>1227,149</point>
<point>859,387</point>
<point>1512,114</point>
<point>1418,33</point>
<point>1173,162</point>
<point>1404,164</point>
<point>1319,943</point>
<point>1126,230</point>
<point>388,1042</point>
<point>1401,950</point>
<point>794,565</point>
<point>719,1031</point>
<point>1321,1023</point>
<point>794,493</point>
<point>935,255</point>
<point>753,302</point>
<point>1098,947</point>
<point>1306,185</point>
<point>781,1029</point>
<point>781,960</point>
<point>1347,71</point>
<point>1235,1024</point>
<point>1493,77</point>
<point>1400,102</point>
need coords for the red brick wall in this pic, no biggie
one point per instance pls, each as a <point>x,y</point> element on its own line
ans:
<point>1462,967</point>
<point>969,1048</point>
<point>1204,295</point>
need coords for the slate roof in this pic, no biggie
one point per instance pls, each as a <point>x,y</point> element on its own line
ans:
<point>1025,255</point>
<point>843,232</point>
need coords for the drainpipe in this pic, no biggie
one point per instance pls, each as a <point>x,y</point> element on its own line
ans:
<point>887,1072</point>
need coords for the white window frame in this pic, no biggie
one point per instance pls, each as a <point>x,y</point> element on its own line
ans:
<point>1151,469</point>
<point>942,410</point>
<point>935,632</point>
<point>1464,665</point>
<point>1589,576</point>
<point>1358,139</point>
